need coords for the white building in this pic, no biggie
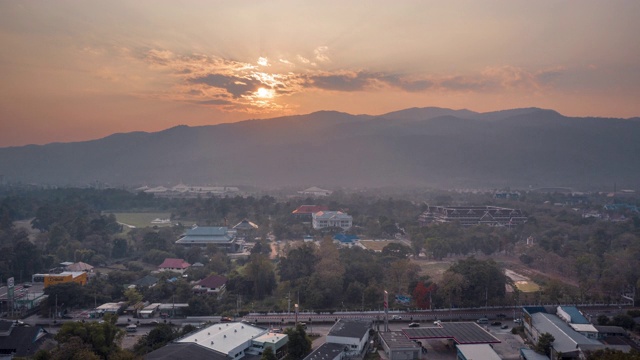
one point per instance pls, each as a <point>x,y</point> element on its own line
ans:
<point>315,191</point>
<point>223,342</point>
<point>325,219</point>
<point>346,339</point>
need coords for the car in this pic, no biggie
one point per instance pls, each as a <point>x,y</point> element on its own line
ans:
<point>496,323</point>
<point>226,319</point>
<point>414,324</point>
<point>482,321</point>
<point>132,328</point>
<point>66,316</point>
<point>437,322</point>
<point>517,321</point>
<point>501,316</point>
<point>505,326</point>
<point>396,317</point>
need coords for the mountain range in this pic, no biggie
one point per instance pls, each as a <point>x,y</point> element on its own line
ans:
<point>417,147</point>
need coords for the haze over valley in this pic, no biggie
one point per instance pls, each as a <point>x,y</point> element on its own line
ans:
<point>417,147</point>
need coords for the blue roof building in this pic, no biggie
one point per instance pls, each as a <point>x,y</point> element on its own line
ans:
<point>344,238</point>
<point>210,235</point>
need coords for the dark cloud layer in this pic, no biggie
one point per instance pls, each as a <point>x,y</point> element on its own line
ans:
<point>234,85</point>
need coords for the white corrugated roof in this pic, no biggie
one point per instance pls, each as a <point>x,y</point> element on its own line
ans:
<point>224,337</point>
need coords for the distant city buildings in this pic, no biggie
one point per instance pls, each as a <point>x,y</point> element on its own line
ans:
<point>315,191</point>
<point>189,191</point>
<point>473,215</point>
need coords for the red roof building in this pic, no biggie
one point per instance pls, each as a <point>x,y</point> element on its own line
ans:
<point>175,265</point>
<point>213,284</point>
<point>305,211</point>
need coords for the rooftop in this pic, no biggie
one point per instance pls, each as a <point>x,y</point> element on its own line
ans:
<point>478,351</point>
<point>353,328</point>
<point>397,340</point>
<point>462,333</point>
<point>326,351</point>
<point>566,339</point>
<point>309,209</point>
<point>213,281</point>
<point>224,337</point>
<point>172,263</point>
<point>189,351</point>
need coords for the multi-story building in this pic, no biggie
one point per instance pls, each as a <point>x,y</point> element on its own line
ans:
<point>473,215</point>
<point>326,219</point>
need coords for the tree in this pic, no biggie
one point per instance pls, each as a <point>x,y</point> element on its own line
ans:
<point>133,296</point>
<point>119,249</point>
<point>477,283</point>
<point>260,272</point>
<point>610,354</point>
<point>268,354</point>
<point>396,250</point>
<point>103,338</point>
<point>543,346</point>
<point>157,338</point>
<point>65,295</point>
<point>299,343</point>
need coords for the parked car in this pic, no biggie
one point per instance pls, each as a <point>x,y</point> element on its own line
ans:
<point>501,316</point>
<point>517,321</point>
<point>482,321</point>
<point>505,326</point>
<point>396,317</point>
<point>496,323</point>
<point>132,328</point>
<point>437,322</point>
<point>226,319</point>
<point>414,324</point>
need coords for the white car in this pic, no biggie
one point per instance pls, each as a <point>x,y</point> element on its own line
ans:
<point>396,317</point>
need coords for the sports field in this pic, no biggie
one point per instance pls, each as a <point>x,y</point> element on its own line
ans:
<point>142,219</point>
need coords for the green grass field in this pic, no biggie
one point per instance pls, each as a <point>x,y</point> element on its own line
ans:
<point>527,286</point>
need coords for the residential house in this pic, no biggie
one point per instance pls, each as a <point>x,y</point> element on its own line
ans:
<point>21,341</point>
<point>213,284</point>
<point>175,265</point>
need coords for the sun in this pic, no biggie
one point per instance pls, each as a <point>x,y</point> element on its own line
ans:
<point>264,93</point>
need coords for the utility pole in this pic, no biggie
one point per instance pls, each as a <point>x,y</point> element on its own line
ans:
<point>289,303</point>
<point>386,311</point>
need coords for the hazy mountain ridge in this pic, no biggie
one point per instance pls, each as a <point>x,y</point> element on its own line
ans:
<point>412,147</point>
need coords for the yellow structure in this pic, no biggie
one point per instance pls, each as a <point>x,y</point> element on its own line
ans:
<point>65,277</point>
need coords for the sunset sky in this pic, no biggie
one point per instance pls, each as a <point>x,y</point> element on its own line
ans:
<point>80,70</point>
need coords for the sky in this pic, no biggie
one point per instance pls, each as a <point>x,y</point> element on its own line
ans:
<point>81,70</point>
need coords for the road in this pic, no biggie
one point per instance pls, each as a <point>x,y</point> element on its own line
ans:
<point>278,320</point>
